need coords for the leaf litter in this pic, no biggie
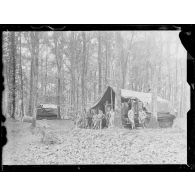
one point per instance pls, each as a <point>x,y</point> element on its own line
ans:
<point>66,145</point>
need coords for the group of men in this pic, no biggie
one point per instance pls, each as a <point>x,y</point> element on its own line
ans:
<point>141,117</point>
<point>95,119</point>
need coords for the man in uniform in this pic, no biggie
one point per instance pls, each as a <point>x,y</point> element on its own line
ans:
<point>111,122</point>
<point>142,117</point>
<point>99,118</point>
<point>131,117</point>
<point>108,117</point>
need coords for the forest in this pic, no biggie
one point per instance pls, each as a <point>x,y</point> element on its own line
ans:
<point>72,68</point>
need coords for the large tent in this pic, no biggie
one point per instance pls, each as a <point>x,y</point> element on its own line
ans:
<point>163,106</point>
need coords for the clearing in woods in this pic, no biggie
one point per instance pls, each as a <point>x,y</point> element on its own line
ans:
<point>86,146</point>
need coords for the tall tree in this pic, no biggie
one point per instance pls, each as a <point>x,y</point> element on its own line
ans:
<point>124,56</point>
<point>155,53</point>
<point>84,69</point>
<point>86,62</point>
<point>45,83</point>
<point>153,121</point>
<point>21,78</point>
<point>7,76</point>
<point>99,62</point>
<point>73,67</point>
<point>30,40</point>
<point>13,73</point>
<point>58,56</point>
<point>118,80</point>
<point>34,66</point>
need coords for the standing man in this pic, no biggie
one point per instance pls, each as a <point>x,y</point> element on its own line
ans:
<point>106,106</point>
<point>142,117</point>
<point>131,117</point>
<point>78,120</point>
<point>89,119</point>
<point>111,123</point>
<point>94,120</point>
<point>108,117</point>
<point>100,117</point>
<point>84,119</point>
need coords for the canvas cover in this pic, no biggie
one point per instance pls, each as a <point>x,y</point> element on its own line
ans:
<point>48,106</point>
<point>163,105</point>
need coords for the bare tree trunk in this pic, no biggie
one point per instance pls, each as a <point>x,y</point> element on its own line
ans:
<point>153,120</point>
<point>6,49</point>
<point>94,88</point>
<point>77,94</point>
<point>13,62</point>
<point>9,76</point>
<point>124,71</point>
<point>5,94</point>
<point>35,52</point>
<point>73,68</point>
<point>45,88</point>
<point>59,66</point>
<point>118,80</point>
<point>83,70</point>
<point>59,90</point>
<point>73,88</point>
<point>31,86</point>
<point>8,71</point>
<point>176,79</point>
<point>99,63</point>
<point>21,81</point>
<point>106,64</point>
<point>58,87</point>
<point>118,114</point>
<point>154,96</point>
<point>125,52</point>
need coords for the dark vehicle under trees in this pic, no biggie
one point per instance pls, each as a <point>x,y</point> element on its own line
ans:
<point>47,111</point>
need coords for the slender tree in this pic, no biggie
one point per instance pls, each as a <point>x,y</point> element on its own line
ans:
<point>45,83</point>
<point>58,57</point>
<point>99,62</point>
<point>13,73</point>
<point>154,82</point>
<point>35,65</point>
<point>31,48</point>
<point>84,69</point>
<point>118,80</point>
<point>21,78</point>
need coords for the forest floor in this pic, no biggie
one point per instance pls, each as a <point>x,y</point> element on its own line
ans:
<point>86,146</point>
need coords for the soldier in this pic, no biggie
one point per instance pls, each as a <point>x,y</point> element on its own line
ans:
<point>108,117</point>
<point>78,120</point>
<point>100,118</point>
<point>131,117</point>
<point>84,118</point>
<point>142,117</point>
<point>112,113</point>
<point>89,119</point>
<point>94,120</point>
<point>106,106</point>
